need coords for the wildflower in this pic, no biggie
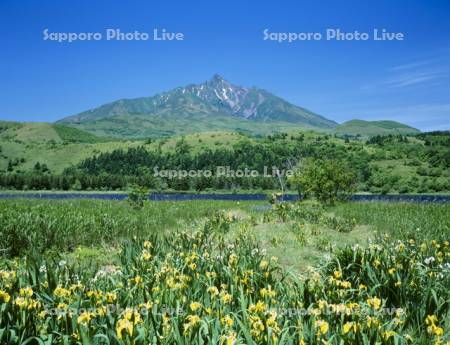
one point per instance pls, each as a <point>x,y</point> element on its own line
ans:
<point>232,260</point>
<point>227,320</point>
<point>345,284</point>
<point>145,256</point>
<point>376,263</point>
<point>432,328</point>
<point>373,321</point>
<point>7,275</point>
<point>4,296</point>
<point>398,283</point>
<point>337,274</point>
<point>351,306</point>
<point>388,334</point>
<point>263,264</point>
<point>322,304</point>
<point>195,306</point>
<point>438,331</point>
<point>349,326</point>
<point>101,311</point>
<point>210,274</point>
<point>429,260</point>
<point>272,322</point>
<point>257,326</point>
<point>21,302</point>
<point>259,307</point>
<point>84,318</point>
<point>110,297</point>
<point>322,327</point>
<point>192,266</point>
<point>431,319</point>
<point>391,271</point>
<point>229,339</point>
<point>91,293</point>
<point>42,315</point>
<point>267,292</point>
<point>374,302</point>
<point>226,298</point>
<point>26,292</point>
<point>61,292</point>
<point>132,316</point>
<point>192,321</point>
<point>148,244</point>
<point>62,306</point>
<point>124,324</point>
<point>362,287</point>
<point>214,291</point>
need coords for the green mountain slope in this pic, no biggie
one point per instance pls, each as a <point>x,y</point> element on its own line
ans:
<point>213,105</point>
<point>372,128</point>
<point>58,146</point>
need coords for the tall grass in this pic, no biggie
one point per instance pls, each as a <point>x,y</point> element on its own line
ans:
<point>401,220</point>
<point>41,225</point>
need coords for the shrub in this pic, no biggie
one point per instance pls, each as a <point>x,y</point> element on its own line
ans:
<point>327,180</point>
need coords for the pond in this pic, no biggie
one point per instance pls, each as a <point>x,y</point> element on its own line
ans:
<point>232,197</point>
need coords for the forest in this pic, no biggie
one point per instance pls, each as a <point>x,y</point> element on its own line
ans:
<point>381,164</point>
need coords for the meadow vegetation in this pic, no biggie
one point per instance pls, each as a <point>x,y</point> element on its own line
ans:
<point>224,273</point>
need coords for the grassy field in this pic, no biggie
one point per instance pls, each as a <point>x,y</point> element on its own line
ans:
<point>371,128</point>
<point>55,145</point>
<point>202,272</point>
<point>401,220</point>
<point>60,146</point>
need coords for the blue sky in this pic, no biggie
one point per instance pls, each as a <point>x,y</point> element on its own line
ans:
<point>407,81</point>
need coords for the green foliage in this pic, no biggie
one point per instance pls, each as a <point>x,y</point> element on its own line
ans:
<point>340,224</point>
<point>373,128</point>
<point>137,196</point>
<point>400,220</point>
<point>74,135</point>
<point>327,180</point>
<point>219,222</point>
<point>382,164</point>
<point>40,225</point>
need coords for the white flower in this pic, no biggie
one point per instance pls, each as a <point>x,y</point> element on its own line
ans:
<point>429,260</point>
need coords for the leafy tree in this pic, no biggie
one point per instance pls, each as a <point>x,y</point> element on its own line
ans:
<point>137,196</point>
<point>327,180</point>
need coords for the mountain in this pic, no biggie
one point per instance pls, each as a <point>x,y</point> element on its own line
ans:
<point>372,128</point>
<point>213,105</point>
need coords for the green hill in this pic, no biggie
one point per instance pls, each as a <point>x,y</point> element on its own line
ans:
<point>372,128</point>
<point>58,146</point>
